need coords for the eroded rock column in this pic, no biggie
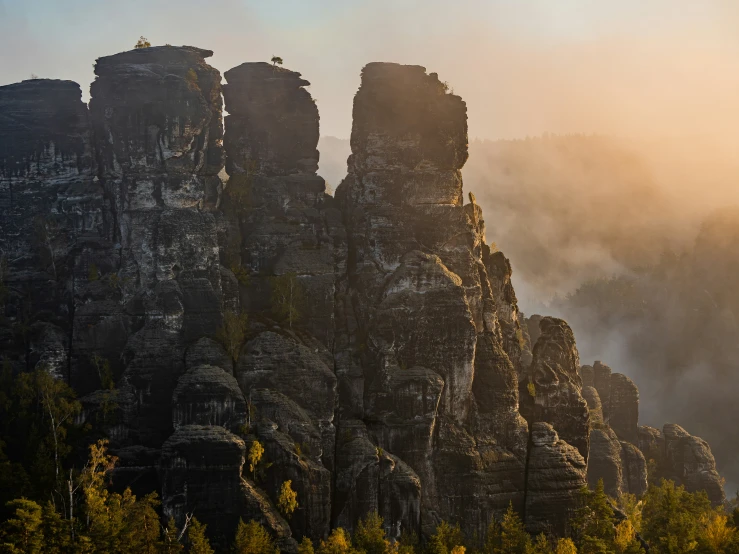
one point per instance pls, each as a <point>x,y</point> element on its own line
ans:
<point>422,365</point>
<point>157,119</point>
<point>51,220</point>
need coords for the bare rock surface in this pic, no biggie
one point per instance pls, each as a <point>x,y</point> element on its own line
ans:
<point>556,473</point>
<point>202,290</point>
<point>202,474</point>
<point>551,389</point>
<point>688,460</point>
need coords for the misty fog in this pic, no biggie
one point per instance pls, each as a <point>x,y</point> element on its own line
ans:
<point>642,99</point>
<point>639,258</point>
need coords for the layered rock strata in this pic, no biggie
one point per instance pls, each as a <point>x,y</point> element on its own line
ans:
<point>288,225</point>
<point>424,365</point>
<point>372,342</point>
<point>52,220</point>
<point>156,114</point>
<point>556,473</point>
<point>551,387</point>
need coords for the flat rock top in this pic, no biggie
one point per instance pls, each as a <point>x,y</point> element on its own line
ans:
<point>254,72</point>
<point>155,59</point>
<point>39,105</point>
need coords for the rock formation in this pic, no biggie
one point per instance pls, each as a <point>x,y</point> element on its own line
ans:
<point>685,459</point>
<point>556,473</point>
<point>371,342</point>
<point>51,219</point>
<point>424,338</point>
<point>551,388</point>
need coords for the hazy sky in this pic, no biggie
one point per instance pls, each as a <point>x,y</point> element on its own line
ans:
<point>656,68</point>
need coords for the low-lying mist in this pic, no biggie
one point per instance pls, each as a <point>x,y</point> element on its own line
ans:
<point>633,244</point>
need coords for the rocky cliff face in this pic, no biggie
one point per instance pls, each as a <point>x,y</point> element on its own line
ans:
<point>370,342</point>
<point>424,365</point>
<point>51,219</point>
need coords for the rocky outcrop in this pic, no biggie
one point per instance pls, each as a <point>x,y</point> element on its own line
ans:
<point>605,462</point>
<point>634,469</point>
<point>201,474</point>
<point>551,388</point>
<point>156,113</point>
<point>510,318</point>
<point>422,329</point>
<point>207,395</point>
<point>51,220</point>
<point>288,225</point>
<point>620,400</point>
<point>595,407</point>
<point>620,464</point>
<point>375,345</point>
<point>280,362</point>
<point>688,460</point>
<point>556,473</point>
<point>369,479</point>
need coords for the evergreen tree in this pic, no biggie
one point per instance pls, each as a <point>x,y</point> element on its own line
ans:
<point>22,533</point>
<point>306,546</point>
<point>670,519</point>
<point>171,543</point>
<point>445,539</point>
<point>338,542</point>
<point>593,524</point>
<point>513,536</point>
<point>252,538</point>
<point>196,536</point>
<point>369,536</point>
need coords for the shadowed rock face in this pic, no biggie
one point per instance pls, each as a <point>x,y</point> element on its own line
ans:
<point>422,330</point>
<point>680,456</point>
<point>620,464</point>
<point>556,394</point>
<point>207,395</point>
<point>688,460</point>
<point>278,206</point>
<point>514,340</point>
<point>605,463</point>
<point>556,473</point>
<point>201,473</point>
<point>397,387</point>
<point>156,113</point>
<point>620,399</point>
<point>51,218</point>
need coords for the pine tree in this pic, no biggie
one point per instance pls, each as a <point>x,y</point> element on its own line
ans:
<point>196,536</point>
<point>593,523</point>
<point>22,533</point>
<point>513,536</point>
<point>670,519</point>
<point>171,544</point>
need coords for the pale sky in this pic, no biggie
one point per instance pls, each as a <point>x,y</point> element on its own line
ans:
<point>657,68</point>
